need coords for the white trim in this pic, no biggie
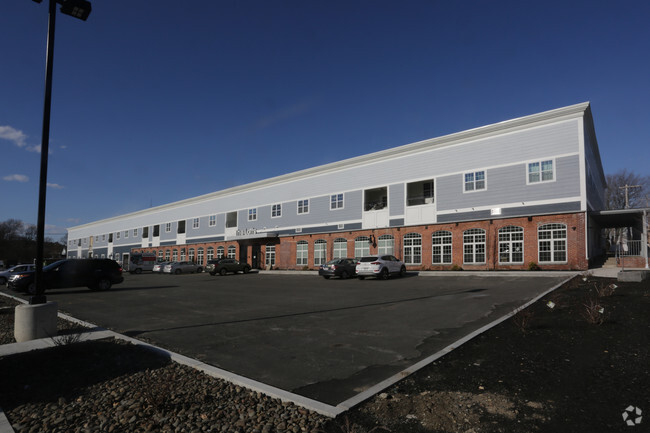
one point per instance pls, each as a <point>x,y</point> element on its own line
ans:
<point>510,205</point>
<point>541,181</point>
<point>485,188</point>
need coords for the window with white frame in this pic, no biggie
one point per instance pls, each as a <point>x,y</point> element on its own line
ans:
<point>320,252</point>
<point>474,246</point>
<point>168,227</point>
<point>232,251</point>
<point>552,240</point>
<point>231,219</point>
<point>175,255</point>
<point>117,236</point>
<point>362,246</point>
<point>511,244</point>
<point>195,223</point>
<point>541,171</point>
<point>210,253</point>
<point>336,201</point>
<point>303,206</point>
<point>252,214</point>
<point>126,234</point>
<point>340,248</point>
<point>166,255</point>
<point>220,252</point>
<point>269,255</point>
<point>190,254</point>
<point>419,193</point>
<point>212,220</point>
<point>161,254</point>
<point>441,242</point>
<point>182,254</point>
<point>412,248</point>
<point>199,256</point>
<point>302,253</point>
<point>475,181</point>
<point>135,233</point>
<point>276,211</point>
<point>386,245</point>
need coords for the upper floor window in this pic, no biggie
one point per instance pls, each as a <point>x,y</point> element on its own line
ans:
<point>303,206</point>
<point>126,234</point>
<point>336,201</point>
<point>117,235</point>
<point>135,233</point>
<point>231,219</point>
<point>212,220</point>
<point>475,181</point>
<point>541,171</point>
<point>168,227</point>
<point>375,199</point>
<point>195,223</point>
<point>276,211</point>
<point>419,193</point>
<point>252,214</point>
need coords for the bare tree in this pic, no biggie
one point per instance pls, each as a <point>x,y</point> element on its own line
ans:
<point>626,188</point>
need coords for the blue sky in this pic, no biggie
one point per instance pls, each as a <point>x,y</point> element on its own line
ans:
<point>155,102</point>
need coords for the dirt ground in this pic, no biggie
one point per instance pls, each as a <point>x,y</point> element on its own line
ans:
<point>576,361</point>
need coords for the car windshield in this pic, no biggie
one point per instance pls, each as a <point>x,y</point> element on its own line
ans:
<point>368,259</point>
<point>53,265</point>
<point>333,262</point>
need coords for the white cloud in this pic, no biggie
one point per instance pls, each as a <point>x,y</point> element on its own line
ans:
<point>14,135</point>
<point>55,186</point>
<point>16,178</point>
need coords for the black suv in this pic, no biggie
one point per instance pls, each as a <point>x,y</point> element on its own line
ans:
<point>96,274</point>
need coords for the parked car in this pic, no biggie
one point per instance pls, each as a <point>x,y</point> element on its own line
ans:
<point>380,266</point>
<point>223,266</point>
<point>344,268</point>
<point>96,274</point>
<point>158,267</point>
<point>182,268</point>
<point>4,275</point>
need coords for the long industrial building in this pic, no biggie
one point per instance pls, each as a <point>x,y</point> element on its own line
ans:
<point>501,196</point>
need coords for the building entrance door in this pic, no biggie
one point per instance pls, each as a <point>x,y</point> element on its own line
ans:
<point>255,256</point>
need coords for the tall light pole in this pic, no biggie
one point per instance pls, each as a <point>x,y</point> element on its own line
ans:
<point>78,9</point>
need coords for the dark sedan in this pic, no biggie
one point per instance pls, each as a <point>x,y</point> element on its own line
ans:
<point>344,268</point>
<point>223,266</point>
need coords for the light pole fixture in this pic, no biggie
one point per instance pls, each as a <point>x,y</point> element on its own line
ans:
<point>78,9</point>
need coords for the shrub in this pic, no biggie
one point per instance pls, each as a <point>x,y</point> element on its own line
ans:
<point>532,266</point>
<point>522,320</point>
<point>455,268</point>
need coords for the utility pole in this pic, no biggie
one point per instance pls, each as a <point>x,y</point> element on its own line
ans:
<point>626,188</point>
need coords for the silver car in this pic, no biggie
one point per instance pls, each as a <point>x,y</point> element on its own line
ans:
<point>159,267</point>
<point>4,275</point>
<point>182,268</point>
<point>380,266</point>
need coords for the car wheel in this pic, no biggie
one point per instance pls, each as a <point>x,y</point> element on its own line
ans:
<point>199,270</point>
<point>223,272</point>
<point>177,271</point>
<point>345,275</point>
<point>247,269</point>
<point>402,271</point>
<point>384,274</point>
<point>327,277</point>
<point>138,271</point>
<point>103,284</point>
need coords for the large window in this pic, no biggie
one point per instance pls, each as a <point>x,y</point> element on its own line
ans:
<point>441,247</point>
<point>190,254</point>
<point>340,248</point>
<point>511,244</point>
<point>419,193</point>
<point>320,252</point>
<point>182,254</point>
<point>210,254</point>
<point>161,254</point>
<point>386,245</point>
<point>336,201</point>
<point>220,252</point>
<point>174,255</point>
<point>375,199</point>
<point>231,219</point>
<point>167,255</point>
<point>474,246</point>
<point>181,227</point>
<point>232,251</point>
<point>362,246</point>
<point>270,255</point>
<point>303,206</point>
<point>541,171</point>
<point>475,181</point>
<point>199,256</point>
<point>412,249</point>
<point>302,253</point>
<point>552,243</point>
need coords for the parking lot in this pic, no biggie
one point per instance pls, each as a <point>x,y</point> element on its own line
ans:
<point>324,339</point>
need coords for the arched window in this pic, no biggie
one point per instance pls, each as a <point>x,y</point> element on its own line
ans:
<point>167,252</point>
<point>210,253</point>
<point>441,247</point>
<point>302,253</point>
<point>320,252</point>
<point>412,248</point>
<point>362,246</point>
<point>386,245</point>
<point>182,254</point>
<point>340,248</point>
<point>161,254</point>
<point>474,246</point>
<point>511,244</point>
<point>190,254</point>
<point>552,243</point>
<point>175,255</point>
<point>220,251</point>
<point>199,256</point>
<point>232,251</point>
